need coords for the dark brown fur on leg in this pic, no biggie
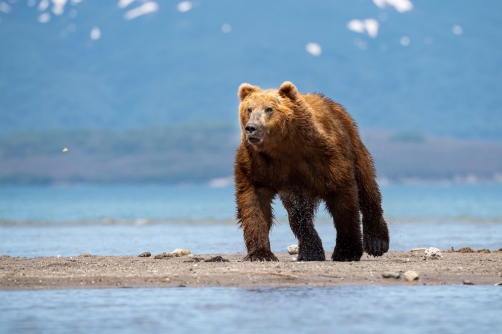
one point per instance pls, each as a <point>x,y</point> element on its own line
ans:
<point>375,230</point>
<point>301,211</point>
<point>345,211</point>
<point>254,211</point>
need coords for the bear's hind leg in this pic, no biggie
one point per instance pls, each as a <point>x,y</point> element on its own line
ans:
<point>301,212</point>
<point>375,230</point>
<point>344,208</point>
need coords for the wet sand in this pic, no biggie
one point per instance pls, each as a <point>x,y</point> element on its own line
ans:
<point>88,271</point>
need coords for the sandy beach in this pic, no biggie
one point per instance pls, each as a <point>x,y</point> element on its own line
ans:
<point>88,271</point>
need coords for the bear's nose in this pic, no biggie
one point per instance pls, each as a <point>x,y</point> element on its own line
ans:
<point>250,128</point>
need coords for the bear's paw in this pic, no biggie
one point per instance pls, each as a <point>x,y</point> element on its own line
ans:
<point>375,246</point>
<point>261,255</point>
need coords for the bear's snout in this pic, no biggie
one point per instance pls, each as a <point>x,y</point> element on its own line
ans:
<point>251,128</point>
<point>254,132</point>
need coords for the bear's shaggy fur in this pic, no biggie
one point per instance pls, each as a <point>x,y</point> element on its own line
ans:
<point>306,149</point>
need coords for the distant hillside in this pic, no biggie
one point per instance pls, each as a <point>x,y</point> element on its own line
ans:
<point>435,69</point>
<point>200,153</point>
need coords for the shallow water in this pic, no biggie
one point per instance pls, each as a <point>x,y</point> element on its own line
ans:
<point>368,309</point>
<point>128,220</point>
<point>221,238</point>
<point>143,203</point>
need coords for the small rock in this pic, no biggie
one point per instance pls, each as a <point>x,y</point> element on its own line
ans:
<point>167,279</point>
<point>217,259</point>
<point>432,253</point>
<point>499,283</point>
<point>180,252</point>
<point>484,250</point>
<point>195,259</point>
<point>177,251</point>
<point>465,250</point>
<point>163,255</point>
<point>467,282</point>
<point>84,255</point>
<point>391,274</point>
<point>159,256</point>
<point>411,275</point>
<point>293,249</point>
<point>145,254</point>
<point>500,250</point>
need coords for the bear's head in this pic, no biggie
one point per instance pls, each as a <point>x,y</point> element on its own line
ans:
<point>265,114</point>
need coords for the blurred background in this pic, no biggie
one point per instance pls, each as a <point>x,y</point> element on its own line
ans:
<point>145,91</point>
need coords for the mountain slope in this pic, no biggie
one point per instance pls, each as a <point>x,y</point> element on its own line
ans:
<point>171,66</point>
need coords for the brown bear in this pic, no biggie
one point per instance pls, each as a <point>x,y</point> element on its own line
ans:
<point>306,149</point>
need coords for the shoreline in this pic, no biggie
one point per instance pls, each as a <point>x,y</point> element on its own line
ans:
<point>97,272</point>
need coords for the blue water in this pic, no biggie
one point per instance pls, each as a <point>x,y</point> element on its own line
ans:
<point>196,202</point>
<point>368,309</point>
<point>128,220</point>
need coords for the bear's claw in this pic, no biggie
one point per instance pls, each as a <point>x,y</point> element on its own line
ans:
<point>261,256</point>
<point>345,257</point>
<point>311,257</point>
<point>347,254</point>
<point>375,246</point>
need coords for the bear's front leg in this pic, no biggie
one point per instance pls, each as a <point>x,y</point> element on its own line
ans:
<point>301,211</point>
<point>344,208</point>
<point>254,211</point>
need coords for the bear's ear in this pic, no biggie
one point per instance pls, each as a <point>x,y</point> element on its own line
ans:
<point>288,90</point>
<point>245,89</point>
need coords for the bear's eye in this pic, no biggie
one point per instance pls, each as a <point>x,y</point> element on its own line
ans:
<point>268,110</point>
<point>250,110</point>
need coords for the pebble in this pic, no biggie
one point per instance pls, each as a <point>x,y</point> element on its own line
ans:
<point>432,253</point>
<point>84,255</point>
<point>293,249</point>
<point>411,275</point>
<point>465,250</point>
<point>145,254</point>
<point>467,282</point>
<point>499,283</point>
<point>180,252</point>
<point>217,259</point>
<point>391,274</point>
<point>163,255</point>
<point>175,253</point>
<point>195,259</point>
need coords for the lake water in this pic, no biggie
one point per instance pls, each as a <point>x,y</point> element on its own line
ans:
<point>128,220</point>
<point>422,309</point>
